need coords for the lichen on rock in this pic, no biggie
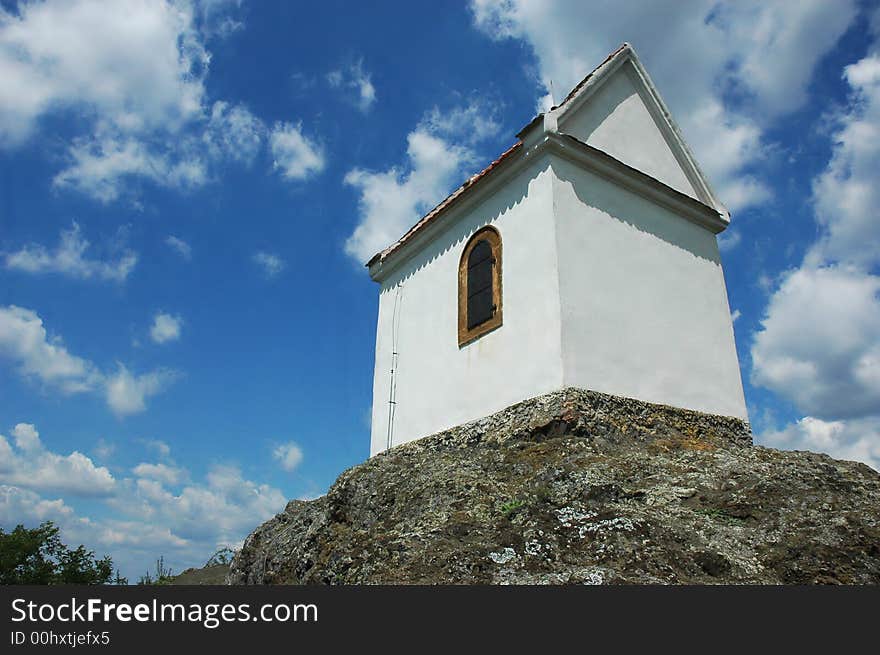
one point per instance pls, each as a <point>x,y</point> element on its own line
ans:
<point>577,487</point>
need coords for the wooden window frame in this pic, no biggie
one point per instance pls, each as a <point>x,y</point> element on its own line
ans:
<point>465,335</point>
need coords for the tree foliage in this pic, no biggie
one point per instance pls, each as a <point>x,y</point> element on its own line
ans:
<point>37,556</point>
<point>163,575</point>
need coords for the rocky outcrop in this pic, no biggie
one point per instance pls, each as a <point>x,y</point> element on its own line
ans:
<point>580,487</point>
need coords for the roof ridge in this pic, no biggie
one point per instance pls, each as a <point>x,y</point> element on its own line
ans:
<point>571,94</point>
<point>452,197</point>
<point>443,204</point>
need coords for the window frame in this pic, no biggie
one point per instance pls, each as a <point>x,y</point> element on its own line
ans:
<point>465,335</point>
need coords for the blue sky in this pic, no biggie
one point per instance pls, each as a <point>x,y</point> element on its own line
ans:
<point>188,190</point>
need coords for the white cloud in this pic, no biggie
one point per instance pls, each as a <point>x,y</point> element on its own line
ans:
<point>170,475</point>
<point>289,456</point>
<point>469,123</point>
<point>857,439</point>
<point>24,340</point>
<point>127,393</point>
<point>133,74</point>
<point>355,78</point>
<point>166,327</point>
<point>296,156</point>
<point>104,449</point>
<point>271,264</point>
<point>179,246</point>
<point>70,258</point>
<point>30,466</point>
<point>820,340</point>
<point>734,316</point>
<point>846,194</point>
<point>136,65</point>
<point>217,20</point>
<point>27,438</point>
<point>819,343</point>
<point>159,446</point>
<point>19,505</point>
<point>140,517</point>
<point>728,240</point>
<point>765,51</point>
<point>234,133</point>
<point>101,165</point>
<point>439,151</point>
<point>237,505</point>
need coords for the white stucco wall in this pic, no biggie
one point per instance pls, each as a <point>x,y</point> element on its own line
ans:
<point>616,120</point>
<point>643,300</point>
<point>603,289</point>
<point>440,385</point>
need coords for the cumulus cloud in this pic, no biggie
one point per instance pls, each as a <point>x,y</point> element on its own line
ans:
<point>179,246</point>
<point>101,163</point>
<point>25,341</point>
<point>356,79</point>
<point>135,64</point>
<point>169,475</point>
<point>100,166</point>
<point>468,123</point>
<point>765,52</point>
<point>165,327</point>
<point>104,449</point>
<point>133,73</point>
<point>728,240</point>
<point>271,264</point>
<point>234,133</point>
<point>127,393</point>
<point>159,508</point>
<point>289,456</point>
<point>857,440</point>
<point>439,151</point>
<point>234,502</point>
<point>819,342</point>
<point>296,156</point>
<point>29,465</point>
<point>18,505</point>
<point>159,446</point>
<point>846,194</point>
<point>70,257</point>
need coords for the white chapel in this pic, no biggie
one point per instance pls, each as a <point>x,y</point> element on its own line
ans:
<point>584,256</point>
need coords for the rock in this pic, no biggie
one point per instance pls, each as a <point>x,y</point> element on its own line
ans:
<point>210,574</point>
<point>577,487</point>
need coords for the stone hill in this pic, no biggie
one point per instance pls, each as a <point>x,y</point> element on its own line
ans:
<point>579,487</point>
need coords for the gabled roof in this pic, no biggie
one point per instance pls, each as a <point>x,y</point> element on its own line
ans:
<point>575,90</point>
<point>588,86</point>
<point>576,97</point>
<point>449,200</point>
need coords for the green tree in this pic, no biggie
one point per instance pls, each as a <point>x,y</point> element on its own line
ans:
<point>37,556</point>
<point>223,556</point>
<point>163,575</point>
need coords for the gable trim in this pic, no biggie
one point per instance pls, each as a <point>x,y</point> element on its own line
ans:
<point>592,159</point>
<point>657,108</point>
<point>604,165</point>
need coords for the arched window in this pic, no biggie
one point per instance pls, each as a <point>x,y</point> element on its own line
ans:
<point>479,286</point>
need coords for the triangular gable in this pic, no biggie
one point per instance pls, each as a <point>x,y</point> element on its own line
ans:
<point>618,110</point>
